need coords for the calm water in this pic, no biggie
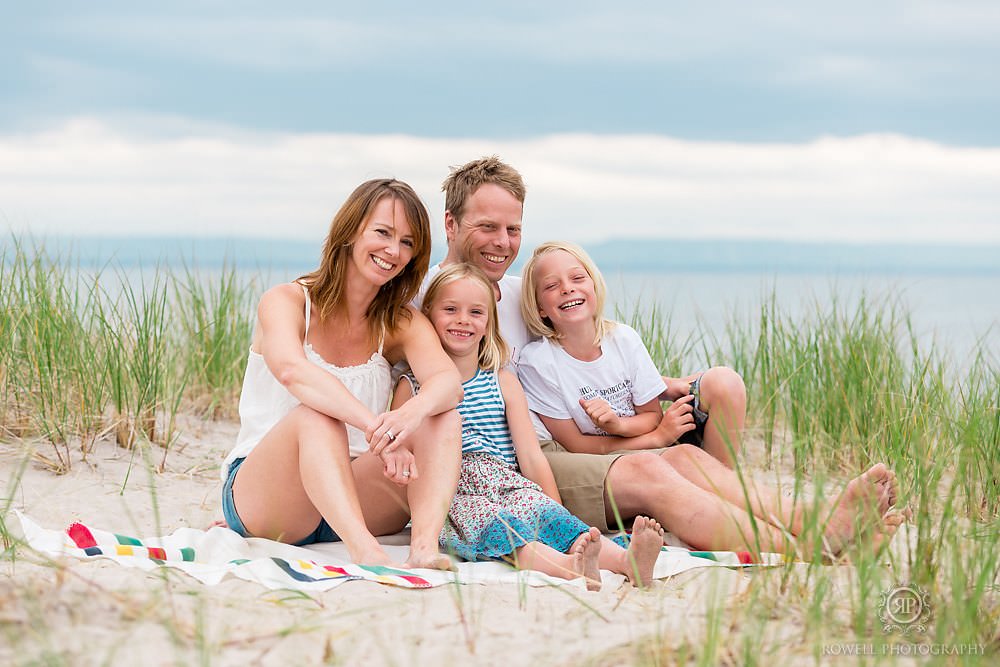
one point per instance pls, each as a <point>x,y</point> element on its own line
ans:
<point>951,311</point>
<point>951,293</point>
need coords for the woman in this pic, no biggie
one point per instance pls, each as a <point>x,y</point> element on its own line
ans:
<point>316,449</point>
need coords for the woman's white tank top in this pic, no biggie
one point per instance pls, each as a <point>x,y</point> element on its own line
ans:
<point>264,401</point>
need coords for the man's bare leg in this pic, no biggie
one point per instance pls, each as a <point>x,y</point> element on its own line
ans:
<point>646,483</point>
<point>724,398</point>
<point>872,493</point>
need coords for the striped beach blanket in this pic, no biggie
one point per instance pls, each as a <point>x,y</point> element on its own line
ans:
<point>214,554</point>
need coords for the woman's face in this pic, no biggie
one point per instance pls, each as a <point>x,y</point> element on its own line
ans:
<point>384,245</point>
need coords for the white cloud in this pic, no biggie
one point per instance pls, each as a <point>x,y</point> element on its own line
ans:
<point>91,177</point>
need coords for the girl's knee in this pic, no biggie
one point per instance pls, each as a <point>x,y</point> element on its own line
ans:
<point>442,430</point>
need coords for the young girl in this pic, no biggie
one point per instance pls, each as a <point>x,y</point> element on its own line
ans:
<point>497,512</point>
<point>593,387</point>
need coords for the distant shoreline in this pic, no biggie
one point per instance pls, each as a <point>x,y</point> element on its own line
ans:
<point>622,255</point>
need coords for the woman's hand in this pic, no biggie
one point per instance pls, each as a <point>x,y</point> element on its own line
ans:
<point>391,429</point>
<point>677,420</point>
<point>399,466</point>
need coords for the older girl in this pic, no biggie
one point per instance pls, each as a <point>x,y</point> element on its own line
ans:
<point>593,386</point>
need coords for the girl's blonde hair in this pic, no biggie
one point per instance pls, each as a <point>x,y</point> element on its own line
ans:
<point>327,284</point>
<point>542,326</point>
<point>493,350</point>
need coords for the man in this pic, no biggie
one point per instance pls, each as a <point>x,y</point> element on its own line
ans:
<point>484,201</point>
<point>694,494</point>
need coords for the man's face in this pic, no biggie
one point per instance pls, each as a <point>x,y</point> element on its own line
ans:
<point>489,233</point>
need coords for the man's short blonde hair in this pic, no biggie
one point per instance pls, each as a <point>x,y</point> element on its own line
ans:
<point>463,182</point>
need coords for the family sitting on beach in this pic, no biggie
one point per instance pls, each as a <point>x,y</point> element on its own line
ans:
<point>523,426</point>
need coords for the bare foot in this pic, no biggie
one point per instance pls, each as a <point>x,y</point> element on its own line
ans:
<point>860,507</point>
<point>373,556</point>
<point>585,554</point>
<point>428,560</point>
<point>884,533</point>
<point>643,550</point>
<point>893,489</point>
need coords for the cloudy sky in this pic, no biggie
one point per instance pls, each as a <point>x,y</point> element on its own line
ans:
<point>849,121</point>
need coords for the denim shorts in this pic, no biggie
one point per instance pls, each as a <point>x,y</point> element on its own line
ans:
<point>323,532</point>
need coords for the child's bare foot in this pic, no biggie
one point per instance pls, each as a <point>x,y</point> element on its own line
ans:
<point>429,560</point>
<point>585,554</point>
<point>860,507</point>
<point>643,550</point>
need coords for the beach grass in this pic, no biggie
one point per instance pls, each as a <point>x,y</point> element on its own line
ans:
<point>91,351</point>
<point>97,354</point>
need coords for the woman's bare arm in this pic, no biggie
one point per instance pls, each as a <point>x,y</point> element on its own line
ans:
<point>440,383</point>
<point>279,340</point>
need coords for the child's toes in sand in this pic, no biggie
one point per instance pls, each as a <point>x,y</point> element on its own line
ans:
<point>587,551</point>
<point>644,548</point>
<point>581,560</point>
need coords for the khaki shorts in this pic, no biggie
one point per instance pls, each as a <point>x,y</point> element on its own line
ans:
<point>581,480</point>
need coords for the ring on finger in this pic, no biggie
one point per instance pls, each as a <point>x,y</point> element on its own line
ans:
<point>390,435</point>
<point>406,473</point>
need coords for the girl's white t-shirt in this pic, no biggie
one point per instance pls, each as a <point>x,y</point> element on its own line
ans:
<point>554,382</point>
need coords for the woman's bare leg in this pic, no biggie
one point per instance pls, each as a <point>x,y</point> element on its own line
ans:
<point>437,449</point>
<point>299,473</point>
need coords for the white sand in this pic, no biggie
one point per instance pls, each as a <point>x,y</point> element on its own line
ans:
<point>95,612</point>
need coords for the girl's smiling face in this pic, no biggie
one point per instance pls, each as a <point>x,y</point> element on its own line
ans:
<point>460,316</point>
<point>564,290</point>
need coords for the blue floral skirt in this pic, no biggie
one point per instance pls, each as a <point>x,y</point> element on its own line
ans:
<point>496,510</point>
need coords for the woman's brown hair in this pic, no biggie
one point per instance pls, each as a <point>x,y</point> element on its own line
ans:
<point>327,284</point>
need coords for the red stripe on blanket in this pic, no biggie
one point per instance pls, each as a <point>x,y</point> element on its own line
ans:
<point>745,557</point>
<point>157,553</point>
<point>81,536</point>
